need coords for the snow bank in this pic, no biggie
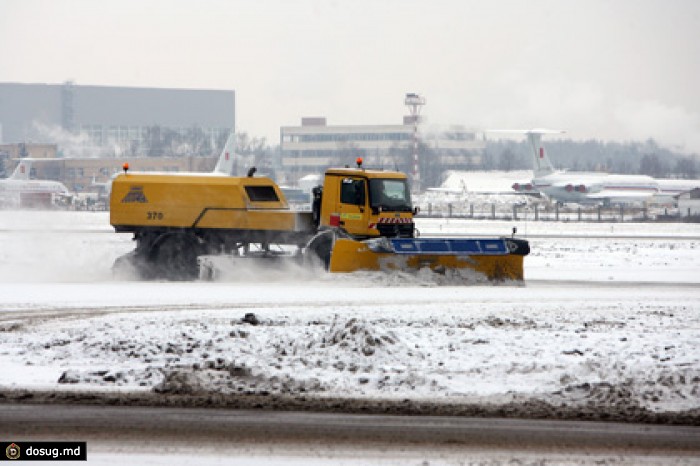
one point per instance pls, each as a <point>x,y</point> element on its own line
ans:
<point>604,348</point>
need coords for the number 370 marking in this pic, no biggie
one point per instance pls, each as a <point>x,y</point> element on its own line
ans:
<point>154,215</point>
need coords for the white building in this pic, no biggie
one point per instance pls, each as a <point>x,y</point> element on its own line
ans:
<point>315,146</point>
<point>689,203</point>
<point>99,117</point>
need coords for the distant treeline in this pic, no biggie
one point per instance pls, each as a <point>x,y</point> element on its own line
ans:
<point>644,158</point>
<point>647,158</point>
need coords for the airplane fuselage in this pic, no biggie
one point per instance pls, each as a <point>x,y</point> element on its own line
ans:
<point>592,187</point>
<point>32,186</point>
<point>14,193</point>
<point>595,188</point>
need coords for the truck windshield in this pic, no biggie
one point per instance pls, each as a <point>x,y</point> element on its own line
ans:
<point>389,194</point>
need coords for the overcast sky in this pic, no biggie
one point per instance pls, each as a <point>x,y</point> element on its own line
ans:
<point>603,69</point>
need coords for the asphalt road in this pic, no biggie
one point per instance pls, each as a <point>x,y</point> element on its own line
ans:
<point>321,437</point>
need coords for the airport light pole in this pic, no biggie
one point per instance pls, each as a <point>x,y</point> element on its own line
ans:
<point>415,102</point>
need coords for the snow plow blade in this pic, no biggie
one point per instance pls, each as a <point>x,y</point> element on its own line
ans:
<point>496,258</point>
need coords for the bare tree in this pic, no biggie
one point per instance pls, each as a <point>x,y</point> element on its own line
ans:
<point>652,165</point>
<point>686,168</point>
<point>506,160</point>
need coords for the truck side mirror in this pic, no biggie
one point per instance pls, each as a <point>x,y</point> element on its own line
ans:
<point>416,209</point>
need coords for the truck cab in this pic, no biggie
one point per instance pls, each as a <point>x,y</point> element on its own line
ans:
<point>365,203</point>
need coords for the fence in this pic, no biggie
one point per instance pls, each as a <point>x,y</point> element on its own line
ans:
<point>550,213</point>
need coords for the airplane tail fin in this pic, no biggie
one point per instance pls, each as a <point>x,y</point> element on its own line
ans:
<point>226,163</point>
<point>21,171</point>
<point>541,165</point>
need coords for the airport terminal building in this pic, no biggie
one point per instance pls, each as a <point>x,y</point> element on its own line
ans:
<point>109,117</point>
<point>314,146</point>
<point>91,130</point>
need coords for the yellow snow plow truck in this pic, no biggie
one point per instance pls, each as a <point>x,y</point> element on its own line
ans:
<point>360,219</point>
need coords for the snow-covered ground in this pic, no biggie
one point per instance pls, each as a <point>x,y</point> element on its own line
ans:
<point>608,317</point>
<point>485,181</point>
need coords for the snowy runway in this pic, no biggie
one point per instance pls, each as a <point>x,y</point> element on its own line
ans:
<point>582,332</point>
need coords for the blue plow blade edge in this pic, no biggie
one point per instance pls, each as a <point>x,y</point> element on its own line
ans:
<point>454,247</point>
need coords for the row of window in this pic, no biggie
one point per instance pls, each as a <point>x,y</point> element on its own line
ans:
<point>454,154</point>
<point>395,136</point>
<point>457,136</point>
<point>346,137</point>
<point>99,134</point>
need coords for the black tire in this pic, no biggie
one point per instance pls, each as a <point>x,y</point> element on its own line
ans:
<point>174,257</point>
<point>131,266</point>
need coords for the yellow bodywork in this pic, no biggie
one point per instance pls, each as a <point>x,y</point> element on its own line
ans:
<point>352,256</point>
<point>243,210</point>
<point>198,201</point>
<point>356,220</point>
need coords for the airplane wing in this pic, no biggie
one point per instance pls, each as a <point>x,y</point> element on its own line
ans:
<point>446,190</point>
<point>615,194</point>
<point>533,193</point>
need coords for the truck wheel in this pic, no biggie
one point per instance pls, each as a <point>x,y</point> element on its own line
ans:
<point>174,257</point>
<point>319,249</point>
<point>131,266</point>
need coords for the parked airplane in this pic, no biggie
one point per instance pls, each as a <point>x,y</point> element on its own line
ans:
<point>18,190</point>
<point>581,187</point>
<point>225,165</point>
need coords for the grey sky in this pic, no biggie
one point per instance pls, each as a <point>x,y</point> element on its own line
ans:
<point>626,69</point>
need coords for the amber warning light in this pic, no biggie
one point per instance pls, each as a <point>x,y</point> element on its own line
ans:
<point>125,167</point>
<point>358,161</point>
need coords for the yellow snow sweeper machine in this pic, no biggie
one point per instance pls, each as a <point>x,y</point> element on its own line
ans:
<point>360,219</point>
